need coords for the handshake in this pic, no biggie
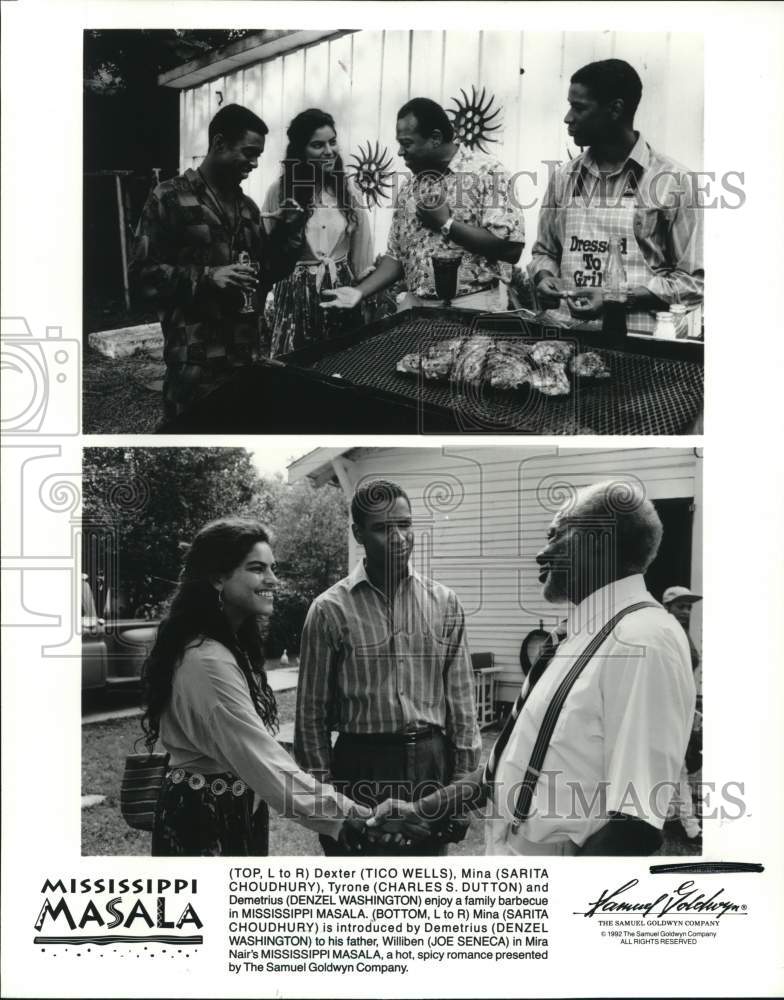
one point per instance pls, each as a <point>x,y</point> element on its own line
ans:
<point>396,825</point>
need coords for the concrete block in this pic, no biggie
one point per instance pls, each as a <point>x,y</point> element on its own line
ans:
<point>92,800</point>
<point>144,339</point>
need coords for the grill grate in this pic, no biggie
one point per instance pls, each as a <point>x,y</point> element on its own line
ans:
<point>644,395</point>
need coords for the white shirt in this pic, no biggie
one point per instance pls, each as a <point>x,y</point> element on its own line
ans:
<point>328,236</point>
<point>620,738</point>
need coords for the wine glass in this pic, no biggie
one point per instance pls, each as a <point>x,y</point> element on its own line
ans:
<point>243,257</point>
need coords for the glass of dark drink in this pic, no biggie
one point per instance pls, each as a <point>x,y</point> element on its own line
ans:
<point>446,264</point>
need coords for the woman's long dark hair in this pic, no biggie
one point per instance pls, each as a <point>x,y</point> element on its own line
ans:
<point>298,180</point>
<point>195,613</point>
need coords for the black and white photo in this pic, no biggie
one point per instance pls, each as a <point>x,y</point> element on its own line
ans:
<point>409,648</point>
<point>391,531</point>
<point>445,231</point>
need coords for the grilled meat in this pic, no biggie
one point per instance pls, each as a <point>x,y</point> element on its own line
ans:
<point>409,364</point>
<point>551,380</point>
<point>546,351</point>
<point>505,364</point>
<point>508,365</point>
<point>470,362</point>
<point>589,365</point>
<point>439,359</point>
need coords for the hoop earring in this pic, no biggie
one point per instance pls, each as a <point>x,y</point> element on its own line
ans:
<point>220,601</point>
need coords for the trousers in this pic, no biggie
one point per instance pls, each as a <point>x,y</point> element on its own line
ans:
<point>370,769</point>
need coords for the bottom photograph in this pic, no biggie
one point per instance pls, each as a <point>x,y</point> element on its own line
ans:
<point>389,651</point>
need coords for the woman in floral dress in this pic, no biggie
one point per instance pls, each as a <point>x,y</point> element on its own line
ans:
<point>338,242</point>
<point>209,704</point>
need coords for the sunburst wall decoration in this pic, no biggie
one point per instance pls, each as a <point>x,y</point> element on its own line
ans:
<point>370,172</point>
<point>474,119</point>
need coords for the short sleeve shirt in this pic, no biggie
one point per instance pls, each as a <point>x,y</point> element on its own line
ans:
<point>620,739</point>
<point>478,190</point>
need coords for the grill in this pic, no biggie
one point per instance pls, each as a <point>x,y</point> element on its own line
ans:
<point>655,387</point>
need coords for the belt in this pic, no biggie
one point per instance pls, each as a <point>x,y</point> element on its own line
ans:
<point>218,784</point>
<point>393,739</point>
<point>321,267</point>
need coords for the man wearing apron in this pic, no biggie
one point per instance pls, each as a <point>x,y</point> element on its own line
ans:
<point>618,188</point>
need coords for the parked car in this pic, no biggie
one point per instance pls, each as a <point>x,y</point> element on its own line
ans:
<point>114,650</point>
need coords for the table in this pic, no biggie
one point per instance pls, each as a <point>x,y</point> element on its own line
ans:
<point>351,385</point>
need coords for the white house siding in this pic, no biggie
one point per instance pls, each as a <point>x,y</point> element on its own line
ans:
<point>363,78</point>
<point>481,514</point>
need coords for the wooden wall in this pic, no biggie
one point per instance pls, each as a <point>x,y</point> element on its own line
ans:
<point>481,515</point>
<point>364,77</point>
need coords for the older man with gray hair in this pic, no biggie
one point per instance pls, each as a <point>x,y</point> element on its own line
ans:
<point>591,754</point>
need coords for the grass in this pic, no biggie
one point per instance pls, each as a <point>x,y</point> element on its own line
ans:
<point>104,831</point>
<point>115,399</point>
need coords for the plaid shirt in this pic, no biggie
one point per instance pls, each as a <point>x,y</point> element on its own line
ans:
<point>667,224</point>
<point>180,239</point>
<point>477,190</point>
<point>372,666</point>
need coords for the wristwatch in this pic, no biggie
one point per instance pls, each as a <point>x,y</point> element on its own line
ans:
<point>446,227</point>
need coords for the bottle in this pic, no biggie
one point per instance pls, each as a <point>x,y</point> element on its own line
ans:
<point>665,326</point>
<point>681,322</point>
<point>616,290</point>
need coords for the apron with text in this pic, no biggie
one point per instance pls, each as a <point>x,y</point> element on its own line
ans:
<point>584,256</point>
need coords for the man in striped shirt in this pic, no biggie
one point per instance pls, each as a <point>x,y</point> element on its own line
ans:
<point>384,661</point>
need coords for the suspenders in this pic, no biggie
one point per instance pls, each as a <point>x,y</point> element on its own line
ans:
<point>526,792</point>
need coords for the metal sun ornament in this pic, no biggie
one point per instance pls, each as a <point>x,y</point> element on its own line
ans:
<point>371,172</point>
<point>474,119</point>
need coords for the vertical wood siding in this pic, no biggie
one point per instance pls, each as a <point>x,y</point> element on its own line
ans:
<point>364,77</point>
<point>481,514</point>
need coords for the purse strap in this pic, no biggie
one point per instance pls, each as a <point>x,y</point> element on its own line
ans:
<point>526,792</point>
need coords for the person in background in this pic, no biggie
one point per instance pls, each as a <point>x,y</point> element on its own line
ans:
<point>456,197</point>
<point>192,235</point>
<point>338,243</point>
<point>623,726</point>
<point>209,703</point>
<point>679,601</point>
<point>384,661</point>
<point>618,187</point>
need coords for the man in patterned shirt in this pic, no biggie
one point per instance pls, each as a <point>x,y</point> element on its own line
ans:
<point>384,661</point>
<point>186,261</point>
<point>458,198</point>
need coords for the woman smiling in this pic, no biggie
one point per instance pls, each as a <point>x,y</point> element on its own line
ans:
<point>338,243</point>
<point>209,703</point>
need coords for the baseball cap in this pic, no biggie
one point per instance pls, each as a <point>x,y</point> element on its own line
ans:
<point>674,593</point>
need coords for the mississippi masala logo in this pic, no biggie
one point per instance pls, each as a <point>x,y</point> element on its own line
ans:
<point>106,911</point>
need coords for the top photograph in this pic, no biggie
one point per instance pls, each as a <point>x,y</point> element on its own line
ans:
<point>394,232</point>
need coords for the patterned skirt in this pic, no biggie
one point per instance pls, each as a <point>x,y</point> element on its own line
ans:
<point>208,821</point>
<point>297,318</point>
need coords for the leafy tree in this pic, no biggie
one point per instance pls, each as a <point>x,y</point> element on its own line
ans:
<point>141,505</point>
<point>154,500</point>
<point>116,59</point>
<point>310,527</point>
<point>130,121</point>
<point>310,545</point>
<point>131,126</point>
